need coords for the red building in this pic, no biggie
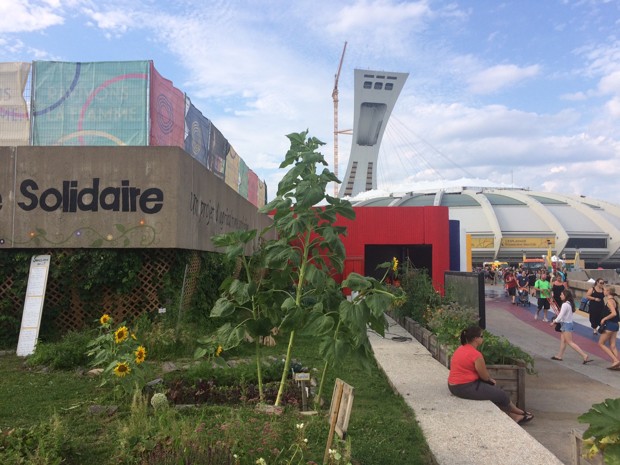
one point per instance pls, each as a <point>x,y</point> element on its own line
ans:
<point>420,234</point>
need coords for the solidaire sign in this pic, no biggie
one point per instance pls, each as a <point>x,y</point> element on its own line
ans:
<point>116,197</point>
<point>72,198</point>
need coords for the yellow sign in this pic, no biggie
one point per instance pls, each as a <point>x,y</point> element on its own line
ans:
<point>482,242</point>
<point>527,242</point>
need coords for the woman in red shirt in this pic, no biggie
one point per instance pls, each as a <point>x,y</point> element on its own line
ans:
<point>511,285</point>
<point>469,378</point>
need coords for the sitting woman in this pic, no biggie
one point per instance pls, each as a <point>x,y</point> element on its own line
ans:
<point>469,378</point>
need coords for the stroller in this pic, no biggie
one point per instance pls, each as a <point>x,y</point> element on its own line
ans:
<point>523,297</point>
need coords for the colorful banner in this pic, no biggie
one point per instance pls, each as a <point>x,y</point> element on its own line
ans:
<point>262,194</point>
<point>252,187</point>
<point>167,112</point>
<point>231,175</point>
<point>197,129</point>
<point>243,178</point>
<point>14,118</point>
<point>218,149</point>
<point>102,103</point>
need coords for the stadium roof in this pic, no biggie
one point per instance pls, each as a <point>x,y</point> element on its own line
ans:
<point>505,223</point>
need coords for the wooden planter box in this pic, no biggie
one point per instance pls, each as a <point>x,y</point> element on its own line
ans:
<point>577,451</point>
<point>511,378</point>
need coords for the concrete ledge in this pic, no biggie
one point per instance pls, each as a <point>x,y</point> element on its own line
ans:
<point>458,431</point>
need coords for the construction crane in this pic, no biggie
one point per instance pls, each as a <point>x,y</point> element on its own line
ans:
<point>335,98</point>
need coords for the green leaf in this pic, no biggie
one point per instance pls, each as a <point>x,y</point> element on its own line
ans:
<point>200,352</point>
<point>120,227</point>
<point>317,325</point>
<point>604,419</point>
<point>259,327</point>
<point>378,303</point>
<point>222,308</point>
<point>231,336</point>
<point>239,291</point>
<point>356,282</point>
<point>293,320</point>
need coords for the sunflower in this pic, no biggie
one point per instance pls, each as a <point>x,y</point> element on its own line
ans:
<point>122,369</point>
<point>121,334</point>
<point>105,319</point>
<point>394,264</point>
<point>218,351</point>
<point>140,354</point>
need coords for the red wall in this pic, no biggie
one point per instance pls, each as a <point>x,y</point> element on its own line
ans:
<point>398,225</point>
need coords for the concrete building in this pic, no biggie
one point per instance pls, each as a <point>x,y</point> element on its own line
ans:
<point>505,224</point>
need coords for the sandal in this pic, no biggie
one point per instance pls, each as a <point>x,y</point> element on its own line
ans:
<point>527,417</point>
<point>587,360</point>
<point>556,358</point>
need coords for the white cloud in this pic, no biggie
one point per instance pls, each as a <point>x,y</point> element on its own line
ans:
<point>498,77</point>
<point>382,14</point>
<point>28,16</point>
<point>610,84</point>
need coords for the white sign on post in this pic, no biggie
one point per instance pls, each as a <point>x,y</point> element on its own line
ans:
<point>33,305</point>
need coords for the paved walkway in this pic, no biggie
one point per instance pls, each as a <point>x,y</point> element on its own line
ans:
<point>561,391</point>
<point>557,395</point>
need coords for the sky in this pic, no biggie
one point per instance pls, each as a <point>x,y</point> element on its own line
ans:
<point>521,93</point>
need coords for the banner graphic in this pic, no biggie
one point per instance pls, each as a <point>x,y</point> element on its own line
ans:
<point>14,117</point>
<point>167,108</point>
<point>101,103</point>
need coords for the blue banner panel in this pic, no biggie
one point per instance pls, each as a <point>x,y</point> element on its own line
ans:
<point>218,149</point>
<point>197,130</point>
<point>455,245</point>
<point>103,103</point>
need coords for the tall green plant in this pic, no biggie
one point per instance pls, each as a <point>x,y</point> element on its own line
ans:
<point>245,302</point>
<point>287,284</point>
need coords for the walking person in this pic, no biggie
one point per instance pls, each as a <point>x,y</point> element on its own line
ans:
<point>543,289</point>
<point>511,285</point>
<point>609,326</point>
<point>597,304</point>
<point>565,318</point>
<point>556,290</point>
<point>470,379</point>
<point>531,280</point>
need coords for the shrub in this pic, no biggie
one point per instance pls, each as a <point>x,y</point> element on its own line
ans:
<point>66,354</point>
<point>448,321</point>
<point>498,350</point>
<point>421,294</point>
<point>44,444</point>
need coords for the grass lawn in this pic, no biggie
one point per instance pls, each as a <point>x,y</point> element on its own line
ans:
<point>382,428</point>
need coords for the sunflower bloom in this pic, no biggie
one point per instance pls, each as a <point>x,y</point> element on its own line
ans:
<point>394,264</point>
<point>122,369</point>
<point>133,336</point>
<point>105,319</point>
<point>140,354</point>
<point>218,351</point>
<point>121,334</point>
